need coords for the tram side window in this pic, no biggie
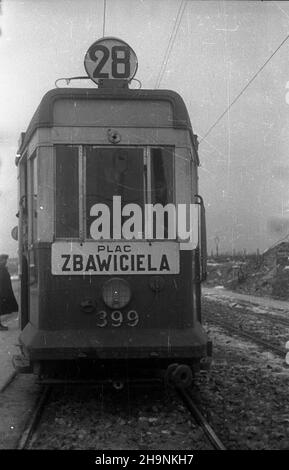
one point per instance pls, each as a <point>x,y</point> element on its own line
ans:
<point>67,192</point>
<point>162,181</point>
<point>34,193</point>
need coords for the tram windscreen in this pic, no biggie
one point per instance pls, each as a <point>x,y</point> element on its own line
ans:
<point>136,175</point>
<point>113,172</point>
<point>67,192</point>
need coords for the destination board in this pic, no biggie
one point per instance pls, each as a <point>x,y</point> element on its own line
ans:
<point>96,258</point>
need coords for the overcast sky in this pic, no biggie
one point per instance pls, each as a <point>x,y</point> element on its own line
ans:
<point>219,46</point>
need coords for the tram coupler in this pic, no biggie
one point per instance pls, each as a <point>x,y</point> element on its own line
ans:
<point>179,375</point>
<point>118,384</point>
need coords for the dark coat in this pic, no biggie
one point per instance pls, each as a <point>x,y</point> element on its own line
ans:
<point>8,303</point>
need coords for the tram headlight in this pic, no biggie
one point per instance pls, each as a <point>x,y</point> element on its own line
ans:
<point>116,293</point>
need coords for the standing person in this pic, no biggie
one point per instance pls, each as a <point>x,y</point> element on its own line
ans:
<point>8,303</point>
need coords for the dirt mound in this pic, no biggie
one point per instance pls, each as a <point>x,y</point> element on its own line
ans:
<point>256,275</point>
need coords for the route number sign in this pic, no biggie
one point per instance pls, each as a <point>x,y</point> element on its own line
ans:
<point>110,58</point>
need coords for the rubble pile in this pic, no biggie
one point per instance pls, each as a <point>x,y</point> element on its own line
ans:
<point>264,275</point>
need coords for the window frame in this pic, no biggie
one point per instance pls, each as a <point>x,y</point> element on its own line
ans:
<point>55,237</point>
<point>32,201</point>
<point>82,156</point>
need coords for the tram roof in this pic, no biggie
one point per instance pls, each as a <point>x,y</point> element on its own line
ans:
<point>43,116</point>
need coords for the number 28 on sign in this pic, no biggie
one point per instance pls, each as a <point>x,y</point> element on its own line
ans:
<point>110,58</point>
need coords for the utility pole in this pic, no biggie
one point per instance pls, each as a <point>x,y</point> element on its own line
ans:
<point>217,240</point>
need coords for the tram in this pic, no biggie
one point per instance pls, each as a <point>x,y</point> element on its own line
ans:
<point>109,273</point>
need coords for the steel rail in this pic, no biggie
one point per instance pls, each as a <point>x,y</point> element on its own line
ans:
<point>270,318</point>
<point>34,420</point>
<point>201,420</point>
<point>265,315</point>
<point>9,380</point>
<point>260,342</point>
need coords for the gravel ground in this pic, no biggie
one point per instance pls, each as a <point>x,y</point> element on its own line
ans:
<point>249,319</point>
<point>131,419</point>
<point>245,395</point>
<point>16,405</point>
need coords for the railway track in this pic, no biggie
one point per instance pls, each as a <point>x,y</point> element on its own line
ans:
<point>268,317</point>
<point>29,433</point>
<point>200,419</point>
<point>244,334</point>
<point>258,315</point>
<point>8,381</point>
<point>180,377</point>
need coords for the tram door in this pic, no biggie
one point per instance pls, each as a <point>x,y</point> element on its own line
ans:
<point>23,243</point>
<point>28,237</point>
<point>32,237</point>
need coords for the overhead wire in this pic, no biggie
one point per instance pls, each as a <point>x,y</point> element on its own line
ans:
<point>172,38</point>
<point>104,14</point>
<point>171,42</point>
<point>243,90</point>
